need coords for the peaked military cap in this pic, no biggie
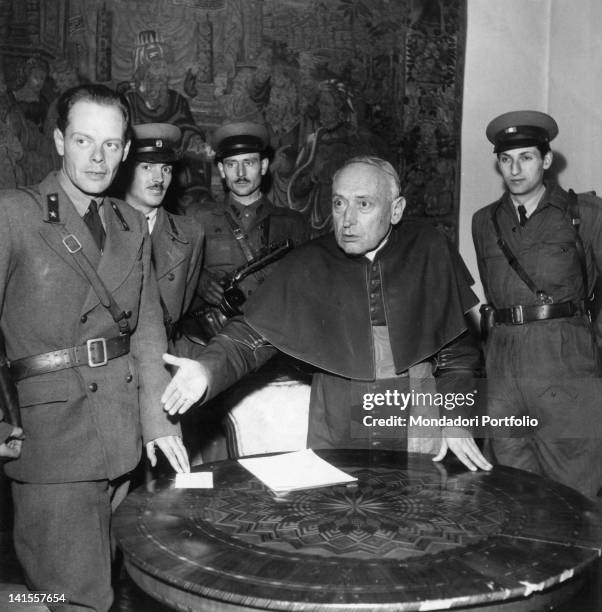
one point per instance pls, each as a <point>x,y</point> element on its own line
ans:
<point>526,128</point>
<point>156,142</point>
<point>241,137</point>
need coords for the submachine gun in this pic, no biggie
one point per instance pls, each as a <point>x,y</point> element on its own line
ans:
<point>200,325</point>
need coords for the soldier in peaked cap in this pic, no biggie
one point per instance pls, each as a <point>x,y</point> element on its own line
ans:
<point>539,251</point>
<point>521,129</point>
<point>245,224</point>
<point>177,243</point>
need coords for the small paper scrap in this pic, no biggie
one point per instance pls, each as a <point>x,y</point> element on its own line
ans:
<point>195,480</point>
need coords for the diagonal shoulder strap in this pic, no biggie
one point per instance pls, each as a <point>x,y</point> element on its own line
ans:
<point>73,245</point>
<point>240,236</point>
<point>512,260</point>
<point>242,239</point>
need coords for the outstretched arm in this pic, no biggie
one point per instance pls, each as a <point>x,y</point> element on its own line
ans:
<point>237,350</point>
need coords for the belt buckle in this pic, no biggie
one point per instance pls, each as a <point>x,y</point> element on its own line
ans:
<point>516,315</point>
<point>94,342</point>
<point>72,244</point>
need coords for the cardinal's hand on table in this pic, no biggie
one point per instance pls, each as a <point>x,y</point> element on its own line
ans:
<point>462,444</point>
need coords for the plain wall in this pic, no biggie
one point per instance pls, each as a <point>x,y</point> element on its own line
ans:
<point>507,49</point>
<point>540,54</point>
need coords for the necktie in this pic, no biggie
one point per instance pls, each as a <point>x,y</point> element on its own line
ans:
<point>92,220</point>
<point>522,213</point>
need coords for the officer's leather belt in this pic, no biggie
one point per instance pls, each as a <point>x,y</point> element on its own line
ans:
<point>517,315</point>
<point>96,352</point>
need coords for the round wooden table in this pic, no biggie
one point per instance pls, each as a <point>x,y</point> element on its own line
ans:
<point>409,535</point>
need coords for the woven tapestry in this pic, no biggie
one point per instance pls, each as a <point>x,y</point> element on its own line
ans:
<point>331,79</point>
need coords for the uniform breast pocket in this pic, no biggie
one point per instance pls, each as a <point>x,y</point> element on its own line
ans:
<point>219,252</point>
<point>558,263</point>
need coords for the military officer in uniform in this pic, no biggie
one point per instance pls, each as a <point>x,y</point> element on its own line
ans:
<point>83,329</point>
<point>177,242</point>
<point>539,251</point>
<point>246,224</point>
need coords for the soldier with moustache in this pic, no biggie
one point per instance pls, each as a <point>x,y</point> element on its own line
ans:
<point>177,242</point>
<point>246,224</point>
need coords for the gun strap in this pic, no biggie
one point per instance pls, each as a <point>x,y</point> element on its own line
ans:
<point>579,247</point>
<point>576,222</point>
<point>243,242</point>
<point>512,260</point>
<point>74,247</point>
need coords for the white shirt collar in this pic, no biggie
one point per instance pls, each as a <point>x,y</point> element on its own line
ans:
<point>151,219</point>
<point>531,204</point>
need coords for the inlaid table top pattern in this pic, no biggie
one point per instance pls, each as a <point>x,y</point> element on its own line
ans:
<point>409,535</point>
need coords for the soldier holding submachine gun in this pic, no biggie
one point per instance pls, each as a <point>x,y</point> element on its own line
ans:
<point>244,234</point>
<point>203,323</point>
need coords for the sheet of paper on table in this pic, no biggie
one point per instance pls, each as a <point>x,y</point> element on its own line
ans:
<point>194,480</point>
<point>293,471</point>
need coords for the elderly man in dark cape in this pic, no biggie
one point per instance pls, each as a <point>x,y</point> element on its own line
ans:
<point>377,308</point>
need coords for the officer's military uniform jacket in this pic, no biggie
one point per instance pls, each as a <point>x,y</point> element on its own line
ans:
<point>269,226</point>
<point>545,247</point>
<point>547,369</point>
<point>80,423</point>
<point>177,255</point>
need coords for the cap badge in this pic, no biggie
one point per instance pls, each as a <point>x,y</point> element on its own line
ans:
<point>511,130</point>
<point>158,143</point>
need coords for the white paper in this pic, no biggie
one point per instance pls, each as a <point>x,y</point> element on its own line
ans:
<point>297,470</point>
<point>195,480</point>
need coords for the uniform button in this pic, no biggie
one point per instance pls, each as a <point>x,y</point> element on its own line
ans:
<point>171,276</point>
<point>83,318</point>
<point>129,378</point>
<point>93,387</point>
<point>128,314</point>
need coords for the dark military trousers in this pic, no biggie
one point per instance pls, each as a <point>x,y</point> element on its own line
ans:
<point>547,370</point>
<point>61,535</point>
